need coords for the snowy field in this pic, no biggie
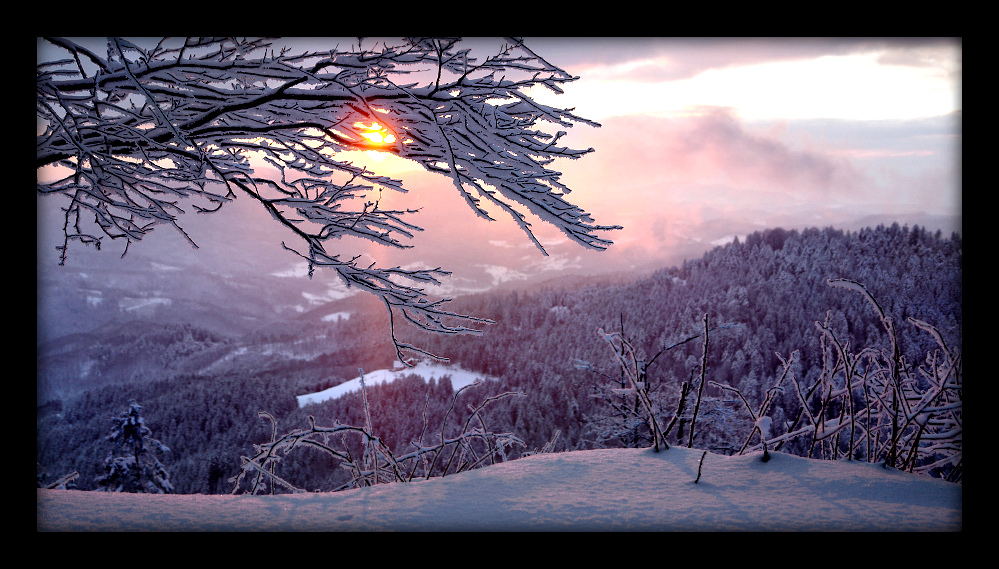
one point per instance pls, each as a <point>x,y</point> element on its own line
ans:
<point>427,370</point>
<point>596,490</point>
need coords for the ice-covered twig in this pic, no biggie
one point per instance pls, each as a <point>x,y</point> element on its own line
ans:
<point>379,463</point>
<point>204,120</point>
<point>700,463</point>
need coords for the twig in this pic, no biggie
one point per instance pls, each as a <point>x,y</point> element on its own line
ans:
<point>700,463</point>
<point>63,481</point>
<point>700,388</point>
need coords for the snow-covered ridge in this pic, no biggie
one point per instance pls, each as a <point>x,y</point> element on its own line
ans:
<point>427,370</point>
<point>622,489</point>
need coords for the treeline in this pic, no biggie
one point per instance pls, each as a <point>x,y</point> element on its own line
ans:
<point>771,288</point>
<point>767,291</point>
<point>773,285</point>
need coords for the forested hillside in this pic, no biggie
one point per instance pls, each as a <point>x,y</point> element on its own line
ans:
<point>765,294</point>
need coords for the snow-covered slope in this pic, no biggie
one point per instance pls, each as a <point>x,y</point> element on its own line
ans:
<point>427,370</point>
<point>611,489</point>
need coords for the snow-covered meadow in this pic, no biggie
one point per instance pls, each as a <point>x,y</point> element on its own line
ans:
<point>427,370</point>
<point>591,490</point>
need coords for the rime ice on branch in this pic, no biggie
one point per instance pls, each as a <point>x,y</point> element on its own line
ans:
<point>129,136</point>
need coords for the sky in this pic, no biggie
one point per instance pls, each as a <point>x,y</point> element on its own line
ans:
<point>702,140</point>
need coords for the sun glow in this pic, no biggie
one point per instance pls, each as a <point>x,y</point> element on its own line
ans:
<point>375,133</point>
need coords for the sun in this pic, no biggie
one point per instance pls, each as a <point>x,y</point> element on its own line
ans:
<point>375,133</point>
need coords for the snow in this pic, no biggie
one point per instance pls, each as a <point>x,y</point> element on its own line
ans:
<point>299,270</point>
<point>315,298</point>
<point>129,304</point>
<point>723,240</point>
<point>427,370</point>
<point>336,317</point>
<point>763,423</point>
<point>608,489</point>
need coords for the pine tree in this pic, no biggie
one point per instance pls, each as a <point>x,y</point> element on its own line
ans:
<point>138,470</point>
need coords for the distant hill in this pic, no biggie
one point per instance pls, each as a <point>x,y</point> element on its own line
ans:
<point>201,389</point>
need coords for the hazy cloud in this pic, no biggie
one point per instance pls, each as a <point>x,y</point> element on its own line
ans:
<point>668,59</point>
<point>943,54</point>
<point>709,149</point>
<point>676,183</point>
<point>717,143</point>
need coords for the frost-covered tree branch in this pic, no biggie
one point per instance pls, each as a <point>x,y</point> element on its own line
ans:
<point>378,464</point>
<point>136,137</point>
<point>872,405</point>
<point>622,419</point>
<point>761,422</point>
<point>634,373</point>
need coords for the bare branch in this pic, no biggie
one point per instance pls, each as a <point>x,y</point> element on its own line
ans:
<point>197,120</point>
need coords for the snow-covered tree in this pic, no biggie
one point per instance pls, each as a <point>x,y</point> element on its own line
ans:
<point>129,136</point>
<point>632,423</point>
<point>132,466</point>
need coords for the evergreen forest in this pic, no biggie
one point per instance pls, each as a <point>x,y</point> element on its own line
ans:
<point>767,299</point>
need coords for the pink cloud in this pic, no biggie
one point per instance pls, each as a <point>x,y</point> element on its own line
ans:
<point>710,148</point>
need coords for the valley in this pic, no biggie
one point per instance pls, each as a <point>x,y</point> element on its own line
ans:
<point>222,349</point>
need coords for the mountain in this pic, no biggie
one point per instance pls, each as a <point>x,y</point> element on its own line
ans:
<point>203,386</point>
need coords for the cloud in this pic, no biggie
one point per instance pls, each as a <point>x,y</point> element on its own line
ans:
<point>555,262</point>
<point>713,149</point>
<point>938,53</point>
<point>717,146</point>
<point>677,184</point>
<point>671,59</point>
<point>760,78</point>
<point>501,274</point>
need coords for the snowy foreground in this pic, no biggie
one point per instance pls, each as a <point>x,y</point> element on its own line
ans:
<point>611,489</point>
